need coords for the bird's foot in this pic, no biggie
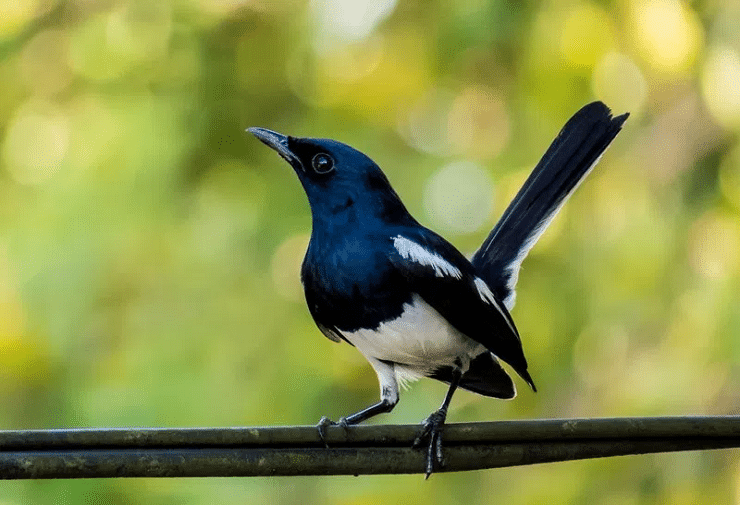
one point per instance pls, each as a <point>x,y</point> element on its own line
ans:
<point>324,422</point>
<point>432,429</point>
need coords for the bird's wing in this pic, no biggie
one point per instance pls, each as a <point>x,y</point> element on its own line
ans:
<point>571,156</point>
<point>445,279</point>
<point>331,333</point>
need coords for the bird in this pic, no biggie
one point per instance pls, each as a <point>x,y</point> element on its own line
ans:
<point>403,296</point>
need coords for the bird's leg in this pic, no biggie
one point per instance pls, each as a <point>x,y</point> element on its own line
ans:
<point>433,426</point>
<point>381,407</point>
<point>388,400</point>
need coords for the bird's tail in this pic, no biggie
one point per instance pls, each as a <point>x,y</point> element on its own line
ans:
<point>571,156</point>
<point>485,376</point>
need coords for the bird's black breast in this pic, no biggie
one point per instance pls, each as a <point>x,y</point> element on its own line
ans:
<point>348,283</point>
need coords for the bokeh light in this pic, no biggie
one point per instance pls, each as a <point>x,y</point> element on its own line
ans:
<point>45,64</point>
<point>349,20</point>
<point>459,197</point>
<point>586,35</point>
<point>15,15</point>
<point>721,85</point>
<point>426,125</point>
<point>36,142</point>
<point>618,81</point>
<point>478,123</point>
<point>667,33</point>
<point>150,249</point>
<point>714,247</point>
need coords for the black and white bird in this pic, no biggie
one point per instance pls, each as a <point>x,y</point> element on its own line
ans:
<point>407,299</point>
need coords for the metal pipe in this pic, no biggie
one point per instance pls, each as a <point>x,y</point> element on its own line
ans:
<point>386,449</point>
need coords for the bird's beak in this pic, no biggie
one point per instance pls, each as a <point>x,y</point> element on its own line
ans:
<point>279,143</point>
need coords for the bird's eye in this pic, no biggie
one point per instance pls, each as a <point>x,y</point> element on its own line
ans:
<point>322,163</point>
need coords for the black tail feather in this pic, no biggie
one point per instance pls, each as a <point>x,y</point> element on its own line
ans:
<point>572,154</point>
<point>485,376</point>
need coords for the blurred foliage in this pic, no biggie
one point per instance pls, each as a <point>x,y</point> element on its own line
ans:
<point>149,248</point>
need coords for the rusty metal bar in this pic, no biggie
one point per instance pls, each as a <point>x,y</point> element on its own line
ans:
<point>386,449</point>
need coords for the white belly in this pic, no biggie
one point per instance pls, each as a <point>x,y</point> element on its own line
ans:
<point>421,340</point>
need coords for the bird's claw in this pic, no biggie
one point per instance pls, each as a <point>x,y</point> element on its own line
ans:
<point>321,426</point>
<point>432,429</point>
<point>324,422</point>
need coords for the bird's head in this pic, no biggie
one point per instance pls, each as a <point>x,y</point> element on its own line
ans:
<point>341,182</point>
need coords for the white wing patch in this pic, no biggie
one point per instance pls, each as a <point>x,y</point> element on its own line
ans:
<point>410,250</point>
<point>486,295</point>
<point>484,291</point>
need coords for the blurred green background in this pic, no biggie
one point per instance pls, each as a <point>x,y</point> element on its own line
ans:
<point>149,248</point>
